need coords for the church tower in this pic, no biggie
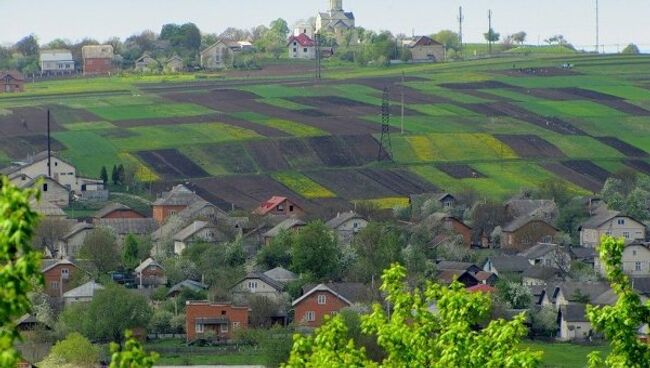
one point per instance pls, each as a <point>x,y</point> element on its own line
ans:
<point>336,5</point>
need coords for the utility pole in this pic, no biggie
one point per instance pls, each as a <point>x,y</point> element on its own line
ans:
<point>402,104</point>
<point>461,18</point>
<point>597,28</point>
<point>318,56</point>
<point>49,148</point>
<point>490,32</point>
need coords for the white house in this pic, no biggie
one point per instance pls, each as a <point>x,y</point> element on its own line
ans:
<point>301,47</point>
<point>56,61</point>
<point>574,324</point>
<point>346,225</point>
<point>71,243</point>
<point>82,294</point>
<point>635,260</point>
<point>610,223</point>
<point>51,190</point>
<point>260,284</point>
<point>216,56</point>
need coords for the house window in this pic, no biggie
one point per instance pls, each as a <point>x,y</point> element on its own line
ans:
<point>65,273</point>
<point>198,328</point>
<point>310,316</point>
<point>236,325</point>
<point>637,266</point>
<point>291,208</point>
<point>45,187</point>
<point>626,234</point>
<point>280,208</point>
<point>322,299</point>
<point>304,50</point>
<point>224,328</point>
<point>295,44</point>
<point>252,285</point>
<point>634,252</point>
<point>295,49</point>
<point>355,225</point>
<point>172,212</point>
<point>621,221</point>
<point>54,285</point>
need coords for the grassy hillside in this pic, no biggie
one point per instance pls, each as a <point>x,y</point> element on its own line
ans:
<point>493,125</point>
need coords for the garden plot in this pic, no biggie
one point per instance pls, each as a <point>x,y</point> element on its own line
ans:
<point>67,115</point>
<point>530,146</point>
<point>639,165</point>
<point>460,171</point>
<point>23,146</point>
<point>299,154</point>
<point>539,72</point>
<point>400,181</point>
<point>476,85</point>
<point>24,121</point>
<point>395,90</point>
<point>215,158</point>
<point>160,110</point>
<point>351,184</point>
<point>623,147</point>
<point>267,155</point>
<point>334,152</point>
<point>573,176</point>
<point>172,164</point>
<point>625,107</point>
<point>303,185</point>
<point>588,168</point>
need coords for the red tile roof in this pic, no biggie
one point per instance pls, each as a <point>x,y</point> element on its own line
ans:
<point>483,288</point>
<point>303,40</point>
<point>269,205</point>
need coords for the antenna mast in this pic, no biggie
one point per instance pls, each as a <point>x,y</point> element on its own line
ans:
<point>385,146</point>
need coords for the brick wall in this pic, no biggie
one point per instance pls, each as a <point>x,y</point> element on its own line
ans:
<point>237,318</point>
<point>162,212</point>
<point>123,214</point>
<point>53,279</point>
<point>98,66</point>
<point>310,304</point>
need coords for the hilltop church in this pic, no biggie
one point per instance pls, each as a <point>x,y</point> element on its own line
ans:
<point>334,20</point>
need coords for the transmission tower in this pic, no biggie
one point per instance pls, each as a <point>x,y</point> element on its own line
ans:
<point>461,18</point>
<point>385,145</point>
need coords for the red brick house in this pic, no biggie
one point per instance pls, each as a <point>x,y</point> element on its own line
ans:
<point>150,273</point>
<point>172,202</point>
<point>320,300</point>
<point>279,206</point>
<point>203,319</point>
<point>456,226</point>
<point>116,211</point>
<point>11,81</point>
<point>57,275</point>
<point>97,59</point>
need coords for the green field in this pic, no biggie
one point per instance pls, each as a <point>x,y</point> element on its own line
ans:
<point>162,110</point>
<point>302,185</point>
<point>564,355</point>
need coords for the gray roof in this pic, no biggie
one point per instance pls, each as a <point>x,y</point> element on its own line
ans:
<point>149,262</point>
<point>451,265</point>
<point>281,274</point>
<point>539,250</point>
<point>506,264</point>
<point>136,226</point>
<point>97,52</point>
<point>180,195</point>
<point>277,285</point>
<point>196,206</point>
<point>521,221</point>
<point>601,217</point>
<point>355,292</point>
<point>192,229</point>
<point>570,289</point>
<point>76,229</point>
<point>542,273</point>
<point>574,312</point>
<point>45,208</point>
<point>641,285</point>
<point>47,264</point>
<point>187,284</point>
<point>582,252</point>
<point>110,208</point>
<point>86,290</point>
<point>285,224</point>
<point>522,207</point>
<point>342,218</point>
<point>56,55</point>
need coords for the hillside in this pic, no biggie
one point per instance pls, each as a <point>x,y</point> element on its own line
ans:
<point>494,125</point>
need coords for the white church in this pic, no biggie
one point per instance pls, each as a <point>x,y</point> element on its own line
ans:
<point>334,20</point>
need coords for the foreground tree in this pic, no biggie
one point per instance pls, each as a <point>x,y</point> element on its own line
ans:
<point>620,322</point>
<point>413,336</point>
<point>19,264</point>
<point>132,355</point>
<point>73,351</point>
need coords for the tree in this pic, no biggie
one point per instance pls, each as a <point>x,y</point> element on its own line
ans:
<point>262,310</point>
<point>101,249</point>
<point>544,321</point>
<point>413,336</point>
<point>28,46</point>
<point>315,251</point>
<point>517,295</point>
<point>114,175</point>
<point>48,233</point>
<point>19,264</point>
<point>631,49</point>
<point>377,246</point>
<point>492,36</point>
<point>449,39</point>
<point>620,322</point>
<point>519,37</point>
<point>121,175</point>
<point>277,254</point>
<point>130,252</point>
<point>557,40</point>
<point>132,355</point>
<point>73,351</point>
<point>191,36</point>
<point>103,174</point>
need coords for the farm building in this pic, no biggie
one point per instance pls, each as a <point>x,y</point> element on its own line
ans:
<point>70,244</point>
<point>97,59</point>
<point>425,49</point>
<point>211,320</point>
<point>82,294</point>
<point>301,47</point>
<point>611,223</point>
<point>524,232</point>
<point>192,285</point>
<point>335,20</point>
<point>146,63</point>
<point>116,210</point>
<point>47,209</point>
<point>216,56</point>
<point>174,64</point>
<point>279,206</point>
<point>454,225</point>
<point>56,61</point>
<point>58,275</point>
<point>574,324</point>
<point>11,81</point>
<point>122,227</point>
<point>547,254</point>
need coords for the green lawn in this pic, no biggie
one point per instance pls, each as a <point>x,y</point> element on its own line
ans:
<point>450,147</point>
<point>88,151</point>
<point>162,110</point>
<point>564,355</point>
<point>303,185</point>
<point>577,108</point>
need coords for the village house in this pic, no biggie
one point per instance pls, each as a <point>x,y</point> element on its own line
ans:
<point>281,274</point>
<point>425,49</point>
<point>320,300</point>
<point>146,63</point>
<point>335,20</point>
<point>279,206</point>
<point>540,275</point>
<point>574,324</point>
<point>548,255</point>
<point>56,62</point>
<point>635,260</point>
<point>57,274</point>
<point>11,81</point>
<point>611,223</point>
<point>466,273</point>
<point>219,321</point>
<point>216,56</point>
<point>82,294</point>
<point>524,232</point>
<point>197,210</point>
<point>504,265</point>
<point>70,244</point>
<point>580,292</point>
<point>174,64</point>
<point>97,59</point>
<point>197,232</point>
<point>544,209</point>
<point>123,227</point>
<point>259,284</point>
<point>346,225</point>
<point>454,225</point>
<point>288,224</point>
<point>47,209</point>
<point>150,274</point>
<point>301,47</point>
<point>194,286</point>
<point>51,190</point>
<point>116,211</point>
<point>172,202</point>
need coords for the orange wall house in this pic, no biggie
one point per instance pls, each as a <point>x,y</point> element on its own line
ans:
<point>57,277</point>
<point>220,319</point>
<point>326,299</point>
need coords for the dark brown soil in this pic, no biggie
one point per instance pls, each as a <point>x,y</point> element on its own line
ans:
<point>539,72</point>
<point>351,184</point>
<point>332,152</point>
<point>460,171</point>
<point>589,94</point>
<point>313,113</point>
<point>476,85</point>
<point>364,147</point>
<point>625,107</point>
<point>623,147</point>
<point>588,168</point>
<point>21,147</point>
<point>300,154</point>
<point>530,146</point>
<point>639,165</point>
<point>486,95</point>
<point>574,177</point>
<point>267,155</point>
<point>400,181</point>
<point>27,121</point>
<point>553,94</point>
<point>231,156</point>
<point>395,90</point>
<point>172,164</point>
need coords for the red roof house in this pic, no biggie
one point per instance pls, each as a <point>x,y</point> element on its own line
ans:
<point>301,47</point>
<point>279,206</point>
<point>481,288</point>
<point>302,40</point>
<point>322,300</point>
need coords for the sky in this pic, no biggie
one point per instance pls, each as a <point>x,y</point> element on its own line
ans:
<point>621,21</point>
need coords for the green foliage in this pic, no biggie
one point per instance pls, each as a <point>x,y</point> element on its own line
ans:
<point>73,351</point>
<point>628,194</point>
<point>492,36</point>
<point>103,174</point>
<point>449,39</point>
<point>377,246</point>
<point>413,336</point>
<point>277,254</point>
<point>132,355</point>
<point>544,321</point>
<point>516,295</point>
<point>315,251</point>
<point>19,264</point>
<point>130,252</point>
<point>620,322</point>
<point>100,248</point>
<point>631,49</point>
